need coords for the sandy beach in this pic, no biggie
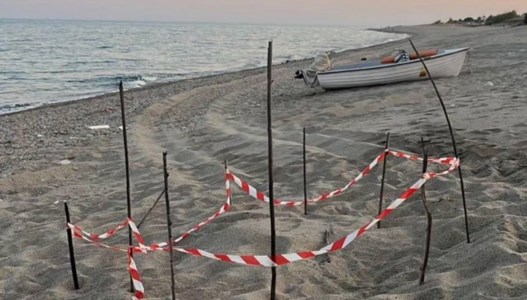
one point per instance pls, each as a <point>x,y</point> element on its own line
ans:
<point>202,122</point>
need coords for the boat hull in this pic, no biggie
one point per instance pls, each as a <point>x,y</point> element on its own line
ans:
<point>445,65</point>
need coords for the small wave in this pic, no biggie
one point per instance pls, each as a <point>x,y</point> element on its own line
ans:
<point>129,81</point>
<point>150,78</point>
<point>18,78</point>
<point>139,82</point>
<point>250,65</point>
<point>74,64</point>
<point>136,81</point>
<point>143,80</point>
<point>17,105</point>
<point>12,72</point>
<point>9,108</point>
<point>21,40</point>
<point>105,47</point>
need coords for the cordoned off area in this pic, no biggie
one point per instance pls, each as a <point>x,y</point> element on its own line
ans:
<point>262,260</point>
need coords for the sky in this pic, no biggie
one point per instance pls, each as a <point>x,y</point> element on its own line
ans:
<point>360,13</point>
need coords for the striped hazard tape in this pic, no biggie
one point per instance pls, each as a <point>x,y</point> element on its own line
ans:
<point>80,233</point>
<point>253,192</point>
<point>440,160</point>
<point>284,259</point>
<point>223,209</point>
<point>136,277</point>
<point>261,260</point>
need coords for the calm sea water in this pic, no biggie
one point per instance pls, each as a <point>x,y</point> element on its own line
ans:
<point>52,61</point>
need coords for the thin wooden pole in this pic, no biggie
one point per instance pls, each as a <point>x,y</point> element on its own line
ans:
<point>169,227</point>
<point>381,198</point>
<point>127,167</point>
<point>270,164</point>
<point>150,209</point>
<point>428,218</point>
<point>70,246</point>
<point>451,136</point>
<point>305,177</point>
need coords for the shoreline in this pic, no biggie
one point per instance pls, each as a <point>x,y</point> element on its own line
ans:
<point>155,85</point>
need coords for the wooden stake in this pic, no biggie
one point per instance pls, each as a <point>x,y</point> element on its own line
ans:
<point>381,198</point>
<point>150,209</point>
<point>70,246</point>
<point>428,218</point>
<point>169,227</point>
<point>305,177</point>
<point>127,167</point>
<point>270,164</point>
<point>451,136</point>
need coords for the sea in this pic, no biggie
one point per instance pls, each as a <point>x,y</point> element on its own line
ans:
<point>46,61</point>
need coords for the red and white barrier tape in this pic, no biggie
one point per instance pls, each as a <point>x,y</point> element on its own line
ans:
<point>81,234</point>
<point>262,260</point>
<point>136,277</point>
<point>78,232</point>
<point>284,259</point>
<point>440,160</point>
<point>218,213</point>
<point>253,192</point>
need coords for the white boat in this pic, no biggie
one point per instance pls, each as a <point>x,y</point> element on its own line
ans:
<point>397,68</point>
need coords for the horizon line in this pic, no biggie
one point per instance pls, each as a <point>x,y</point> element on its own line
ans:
<point>202,22</point>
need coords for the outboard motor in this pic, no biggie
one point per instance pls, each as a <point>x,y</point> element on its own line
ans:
<point>322,62</point>
<point>299,74</point>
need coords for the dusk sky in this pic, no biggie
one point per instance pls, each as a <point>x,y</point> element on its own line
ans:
<point>363,13</point>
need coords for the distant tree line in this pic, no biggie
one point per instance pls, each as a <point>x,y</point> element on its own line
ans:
<point>508,18</point>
